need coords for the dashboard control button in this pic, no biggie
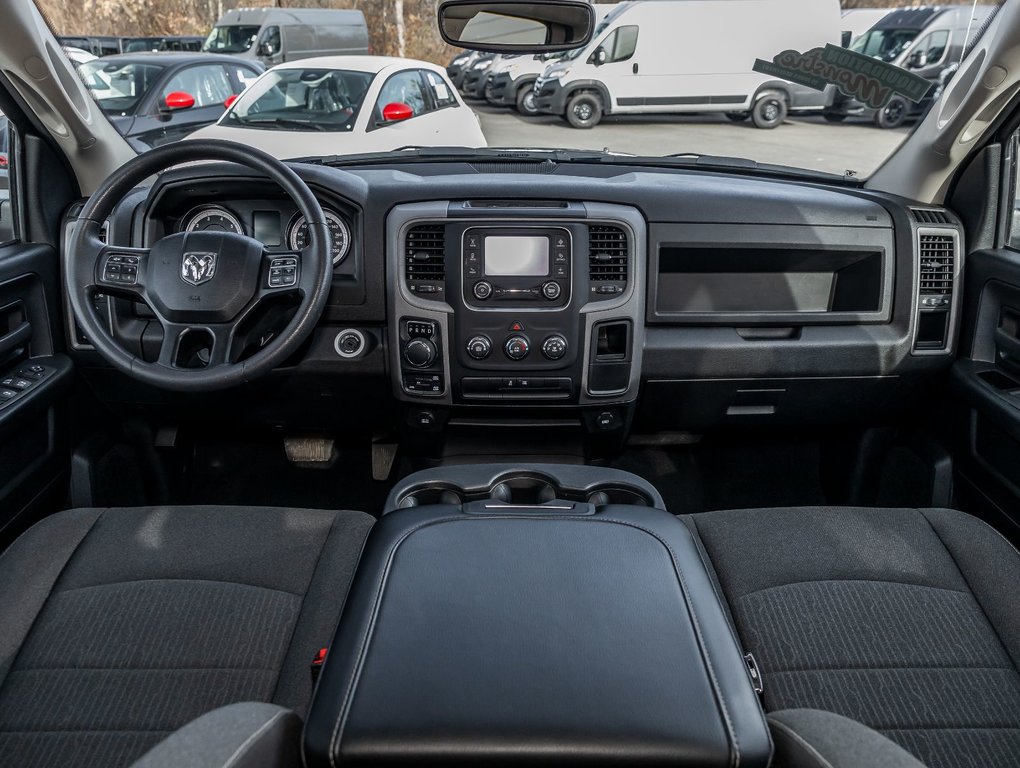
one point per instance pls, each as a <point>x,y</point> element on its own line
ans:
<point>517,347</point>
<point>554,347</point>
<point>482,290</point>
<point>420,353</point>
<point>551,290</point>
<point>479,347</point>
<point>349,343</point>
<point>516,327</point>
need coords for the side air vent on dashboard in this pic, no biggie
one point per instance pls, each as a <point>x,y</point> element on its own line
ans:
<point>937,257</point>
<point>425,259</point>
<point>929,216</point>
<point>607,259</point>
<point>938,251</point>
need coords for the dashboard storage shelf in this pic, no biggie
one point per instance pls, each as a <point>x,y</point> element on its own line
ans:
<point>553,634</point>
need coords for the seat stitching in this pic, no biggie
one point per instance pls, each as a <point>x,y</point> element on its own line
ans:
<point>973,594</point>
<point>172,580</point>
<point>802,743</point>
<point>862,581</point>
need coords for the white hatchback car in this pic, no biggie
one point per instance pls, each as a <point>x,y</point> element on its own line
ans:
<point>343,105</point>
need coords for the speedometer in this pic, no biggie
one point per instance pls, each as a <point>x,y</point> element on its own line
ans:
<point>297,236</point>
<point>212,218</point>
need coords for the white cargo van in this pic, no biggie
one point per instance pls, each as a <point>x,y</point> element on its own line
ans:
<point>511,82</point>
<point>276,35</point>
<point>655,57</point>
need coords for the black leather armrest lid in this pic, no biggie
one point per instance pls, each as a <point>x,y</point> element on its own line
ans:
<point>534,638</point>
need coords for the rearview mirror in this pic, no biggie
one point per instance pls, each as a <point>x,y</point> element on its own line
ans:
<point>513,26</point>
<point>917,59</point>
<point>599,57</point>
<point>265,49</point>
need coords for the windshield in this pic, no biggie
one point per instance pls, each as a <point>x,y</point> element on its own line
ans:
<point>667,82</point>
<point>235,38</point>
<point>118,87</point>
<point>884,44</point>
<point>302,99</point>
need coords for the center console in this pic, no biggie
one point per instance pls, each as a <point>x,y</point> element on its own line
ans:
<point>501,303</point>
<point>564,618</point>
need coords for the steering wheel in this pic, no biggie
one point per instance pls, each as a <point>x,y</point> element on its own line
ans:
<point>201,286</point>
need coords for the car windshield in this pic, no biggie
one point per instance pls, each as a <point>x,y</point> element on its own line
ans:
<point>884,44</point>
<point>835,87</point>
<point>118,86</point>
<point>302,99</point>
<point>234,38</point>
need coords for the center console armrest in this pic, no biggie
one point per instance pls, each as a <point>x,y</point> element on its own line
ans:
<point>532,636</point>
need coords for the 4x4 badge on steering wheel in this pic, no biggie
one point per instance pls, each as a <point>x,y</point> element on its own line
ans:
<point>198,268</point>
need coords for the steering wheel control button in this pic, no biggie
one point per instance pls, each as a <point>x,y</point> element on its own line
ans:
<point>551,290</point>
<point>349,343</point>
<point>283,272</point>
<point>420,353</point>
<point>554,347</point>
<point>479,347</point>
<point>121,268</point>
<point>482,290</point>
<point>517,347</point>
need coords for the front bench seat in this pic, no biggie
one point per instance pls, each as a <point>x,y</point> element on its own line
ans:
<point>905,620</point>
<point>119,626</point>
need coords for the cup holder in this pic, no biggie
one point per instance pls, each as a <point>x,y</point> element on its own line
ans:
<point>525,488</point>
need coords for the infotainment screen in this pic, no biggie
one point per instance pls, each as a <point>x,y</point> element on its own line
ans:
<point>516,256</point>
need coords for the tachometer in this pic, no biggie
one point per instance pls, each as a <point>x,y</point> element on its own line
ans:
<point>297,235</point>
<point>212,218</point>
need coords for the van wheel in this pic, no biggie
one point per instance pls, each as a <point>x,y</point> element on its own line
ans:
<point>737,117</point>
<point>769,110</point>
<point>584,110</point>
<point>893,114</point>
<point>526,101</point>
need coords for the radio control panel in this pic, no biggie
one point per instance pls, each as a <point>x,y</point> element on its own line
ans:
<point>525,267</point>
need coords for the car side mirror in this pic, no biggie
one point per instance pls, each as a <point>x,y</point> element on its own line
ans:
<point>229,101</point>
<point>176,100</point>
<point>265,49</point>
<point>599,57</point>
<point>917,59</point>
<point>396,112</point>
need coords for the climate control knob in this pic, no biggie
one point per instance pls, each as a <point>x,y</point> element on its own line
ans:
<point>551,290</point>
<point>482,290</point>
<point>554,347</point>
<point>420,353</point>
<point>479,347</point>
<point>517,347</point>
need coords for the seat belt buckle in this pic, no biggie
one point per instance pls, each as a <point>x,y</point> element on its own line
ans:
<point>316,665</point>
<point>753,672</point>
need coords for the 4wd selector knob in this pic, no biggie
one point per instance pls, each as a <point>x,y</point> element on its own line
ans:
<point>420,353</point>
<point>517,347</point>
<point>479,347</point>
<point>554,347</point>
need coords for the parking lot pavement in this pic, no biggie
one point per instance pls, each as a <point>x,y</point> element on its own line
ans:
<point>806,142</point>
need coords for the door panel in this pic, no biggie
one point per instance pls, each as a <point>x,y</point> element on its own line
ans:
<point>34,379</point>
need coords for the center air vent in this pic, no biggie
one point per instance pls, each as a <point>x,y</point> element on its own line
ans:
<point>607,259</point>
<point>937,257</point>
<point>425,259</point>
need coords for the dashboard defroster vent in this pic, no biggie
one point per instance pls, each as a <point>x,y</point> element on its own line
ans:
<point>929,216</point>
<point>425,258</point>
<point>607,254</point>
<point>937,256</point>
